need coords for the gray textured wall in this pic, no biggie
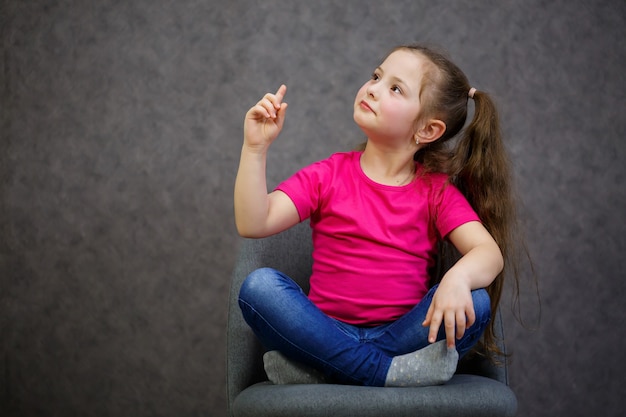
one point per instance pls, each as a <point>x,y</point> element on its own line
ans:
<point>121,130</point>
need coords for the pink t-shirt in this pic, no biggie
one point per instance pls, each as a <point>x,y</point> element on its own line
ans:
<point>372,244</point>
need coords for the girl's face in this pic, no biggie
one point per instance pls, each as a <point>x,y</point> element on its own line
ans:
<point>388,105</point>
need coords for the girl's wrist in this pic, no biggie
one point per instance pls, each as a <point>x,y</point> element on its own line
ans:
<point>260,150</point>
<point>455,277</point>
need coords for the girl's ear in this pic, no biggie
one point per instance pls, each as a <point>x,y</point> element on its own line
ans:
<point>432,130</point>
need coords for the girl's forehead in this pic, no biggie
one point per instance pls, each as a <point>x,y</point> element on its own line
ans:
<point>407,65</point>
<point>405,57</point>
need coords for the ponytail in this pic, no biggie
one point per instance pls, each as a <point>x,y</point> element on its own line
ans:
<point>480,169</point>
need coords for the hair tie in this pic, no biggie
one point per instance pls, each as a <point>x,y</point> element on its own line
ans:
<point>471,92</point>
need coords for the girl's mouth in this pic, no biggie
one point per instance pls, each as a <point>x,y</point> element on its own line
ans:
<point>366,106</point>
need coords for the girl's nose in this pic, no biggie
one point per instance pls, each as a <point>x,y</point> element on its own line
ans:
<point>371,90</point>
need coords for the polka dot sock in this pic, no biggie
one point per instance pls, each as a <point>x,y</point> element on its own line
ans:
<point>433,365</point>
<point>281,370</point>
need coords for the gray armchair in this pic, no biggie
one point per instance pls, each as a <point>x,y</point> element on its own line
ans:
<point>477,389</point>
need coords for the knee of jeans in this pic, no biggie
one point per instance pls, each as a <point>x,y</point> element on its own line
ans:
<point>257,284</point>
<point>482,305</point>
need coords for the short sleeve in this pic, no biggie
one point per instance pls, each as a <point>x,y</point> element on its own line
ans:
<point>306,187</point>
<point>452,209</point>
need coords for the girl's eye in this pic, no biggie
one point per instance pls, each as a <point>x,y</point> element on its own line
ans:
<point>375,77</point>
<point>396,89</point>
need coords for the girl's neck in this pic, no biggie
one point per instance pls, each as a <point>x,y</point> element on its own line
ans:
<point>388,166</point>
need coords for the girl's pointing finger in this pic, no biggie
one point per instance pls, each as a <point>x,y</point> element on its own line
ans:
<point>280,94</point>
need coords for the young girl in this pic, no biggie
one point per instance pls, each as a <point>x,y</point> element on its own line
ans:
<point>378,218</point>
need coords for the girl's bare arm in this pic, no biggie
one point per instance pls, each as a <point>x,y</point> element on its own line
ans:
<point>452,303</point>
<point>257,213</point>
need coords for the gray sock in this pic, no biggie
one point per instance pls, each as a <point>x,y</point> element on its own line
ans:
<point>281,370</point>
<point>433,365</point>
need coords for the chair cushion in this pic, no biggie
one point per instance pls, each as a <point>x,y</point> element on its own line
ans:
<point>463,395</point>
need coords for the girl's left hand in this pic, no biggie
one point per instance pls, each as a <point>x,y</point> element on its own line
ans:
<point>453,307</point>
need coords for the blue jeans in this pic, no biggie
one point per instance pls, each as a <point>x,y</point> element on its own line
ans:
<point>284,319</point>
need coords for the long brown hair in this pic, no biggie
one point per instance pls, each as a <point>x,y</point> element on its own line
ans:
<point>477,164</point>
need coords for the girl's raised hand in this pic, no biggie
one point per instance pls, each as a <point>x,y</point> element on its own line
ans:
<point>265,120</point>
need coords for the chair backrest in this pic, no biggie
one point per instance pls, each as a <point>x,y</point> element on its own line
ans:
<point>290,252</point>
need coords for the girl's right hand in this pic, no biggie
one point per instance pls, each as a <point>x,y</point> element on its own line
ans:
<point>265,120</point>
